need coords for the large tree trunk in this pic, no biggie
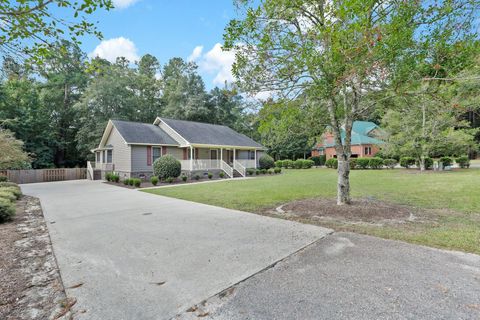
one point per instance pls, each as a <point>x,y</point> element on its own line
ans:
<point>343,184</point>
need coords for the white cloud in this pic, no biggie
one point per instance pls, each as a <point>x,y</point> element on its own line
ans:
<point>197,52</point>
<point>116,47</point>
<point>216,62</point>
<point>122,4</point>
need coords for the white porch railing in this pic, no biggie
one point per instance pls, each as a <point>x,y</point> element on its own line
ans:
<point>200,164</point>
<point>246,163</point>
<point>225,167</point>
<point>240,168</point>
<point>102,166</point>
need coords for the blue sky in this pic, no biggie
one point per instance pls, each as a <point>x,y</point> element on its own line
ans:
<point>166,29</point>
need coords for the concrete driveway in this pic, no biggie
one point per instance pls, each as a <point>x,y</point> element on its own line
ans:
<point>133,255</point>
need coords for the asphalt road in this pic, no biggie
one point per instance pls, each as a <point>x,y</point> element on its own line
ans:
<point>126,254</point>
<point>351,276</point>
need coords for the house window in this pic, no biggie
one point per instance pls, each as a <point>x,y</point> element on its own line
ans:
<point>97,157</point>
<point>368,150</point>
<point>103,156</point>
<point>156,153</point>
<point>109,156</point>
<point>251,155</point>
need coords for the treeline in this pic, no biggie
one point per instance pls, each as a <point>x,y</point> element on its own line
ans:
<point>60,109</point>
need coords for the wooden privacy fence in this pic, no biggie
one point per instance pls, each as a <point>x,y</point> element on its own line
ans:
<point>44,175</point>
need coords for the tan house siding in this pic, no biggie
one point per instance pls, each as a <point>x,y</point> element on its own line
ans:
<point>121,151</point>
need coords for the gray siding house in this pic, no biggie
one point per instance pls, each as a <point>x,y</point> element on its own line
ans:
<point>130,148</point>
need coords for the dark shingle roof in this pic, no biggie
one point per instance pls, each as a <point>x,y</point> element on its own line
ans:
<point>212,134</point>
<point>136,132</point>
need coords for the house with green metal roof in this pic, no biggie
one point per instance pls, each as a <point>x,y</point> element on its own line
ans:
<point>365,141</point>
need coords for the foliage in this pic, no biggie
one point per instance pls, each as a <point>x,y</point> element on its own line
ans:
<point>210,175</point>
<point>390,163</point>
<point>288,163</point>
<point>7,194</point>
<point>446,161</point>
<point>362,163</point>
<point>154,180</point>
<point>126,181</point>
<point>263,171</point>
<point>167,167</point>
<point>332,163</point>
<point>8,184</point>
<point>277,170</point>
<point>196,177</point>
<point>3,178</point>
<point>170,180</point>
<point>7,210</point>
<point>108,176</point>
<point>270,171</point>
<point>319,160</point>
<point>251,171</point>
<point>375,163</point>
<point>131,181</point>
<point>15,190</point>
<point>279,163</point>
<point>428,163</point>
<point>353,163</point>
<point>221,174</point>
<point>184,178</point>
<point>406,162</point>
<point>266,162</point>
<point>137,182</point>
<point>12,155</point>
<point>257,172</point>
<point>463,161</point>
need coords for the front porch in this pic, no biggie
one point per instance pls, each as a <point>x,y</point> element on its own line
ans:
<point>230,160</point>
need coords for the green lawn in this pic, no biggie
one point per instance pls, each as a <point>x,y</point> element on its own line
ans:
<point>459,191</point>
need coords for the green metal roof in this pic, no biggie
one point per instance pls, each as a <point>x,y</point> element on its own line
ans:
<point>360,131</point>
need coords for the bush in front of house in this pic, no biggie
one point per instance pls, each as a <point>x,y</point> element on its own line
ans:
<point>428,163</point>
<point>8,184</point>
<point>297,164</point>
<point>406,162</point>
<point>170,180</point>
<point>108,176</point>
<point>7,209</point>
<point>126,181</point>
<point>197,177</point>
<point>307,164</point>
<point>257,172</point>
<point>375,163</point>
<point>318,160</point>
<point>270,171</point>
<point>137,182</point>
<point>463,162</point>
<point>221,174</point>
<point>167,167</point>
<point>277,170</point>
<point>332,163</point>
<point>362,163</point>
<point>184,178</point>
<point>14,190</point>
<point>7,194</point>
<point>446,161</point>
<point>251,171</point>
<point>115,177</point>
<point>278,163</point>
<point>210,175</point>
<point>154,180</point>
<point>131,181</point>
<point>3,178</point>
<point>263,171</point>
<point>390,163</point>
<point>266,162</point>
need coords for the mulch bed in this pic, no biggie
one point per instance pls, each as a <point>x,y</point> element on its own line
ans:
<point>368,211</point>
<point>30,283</point>
<point>148,184</point>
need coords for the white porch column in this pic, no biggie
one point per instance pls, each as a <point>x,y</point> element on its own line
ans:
<point>191,158</point>
<point>221,154</point>
<point>234,157</point>
<point>255,157</point>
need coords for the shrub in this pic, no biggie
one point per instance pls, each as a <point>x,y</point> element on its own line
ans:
<point>154,180</point>
<point>375,163</point>
<point>257,172</point>
<point>197,177</point>
<point>317,160</point>
<point>184,178</point>
<point>463,161</point>
<point>8,184</point>
<point>170,179</point>
<point>137,182</point>
<point>126,181</point>
<point>6,194</point>
<point>278,163</point>
<point>390,163</point>
<point>428,163</point>
<point>108,176</point>
<point>288,163</point>
<point>3,178</point>
<point>406,162</point>
<point>263,171</point>
<point>362,163</point>
<point>210,175</point>
<point>353,163</point>
<point>332,163</point>
<point>297,164</point>
<point>221,174</point>
<point>251,171</point>
<point>446,161</point>
<point>131,181</point>
<point>277,170</point>
<point>307,164</point>
<point>167,167</point>
<point>14,190</point>
<point>7,209</point>
<point>270,171</point>
<point>115,177</point>
<point>265,162</point>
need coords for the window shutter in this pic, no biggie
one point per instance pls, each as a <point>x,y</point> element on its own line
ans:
<point>149,155</point>
<point>164,150</point>
<point>185,156</point>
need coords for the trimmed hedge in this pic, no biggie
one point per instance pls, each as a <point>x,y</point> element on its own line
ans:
<point>375,163</point>
<point>9,193</point>
<point>463,162</point>
<point>3,178</point>
<point>266,162</point>
<point>353,163</point>
<point>406,162</point>
<point>362,163</point>
<point>167,167</point>
<point>7,209</point>
<point>428,163</point>
<point>277,170</point>
<point>154,180</point>
<point>279,163</point>
<point>390,163</point>
<point>318,160</point>
<point>332,163</point>
<point>446,161</point>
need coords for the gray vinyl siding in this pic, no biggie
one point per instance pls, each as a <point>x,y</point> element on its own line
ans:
<point>121,151</point>
<point>139,159</point>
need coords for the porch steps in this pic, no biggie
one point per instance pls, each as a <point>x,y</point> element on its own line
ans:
<point>236,174</point>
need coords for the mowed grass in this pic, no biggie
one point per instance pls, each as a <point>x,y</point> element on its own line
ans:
<point>458,227</point>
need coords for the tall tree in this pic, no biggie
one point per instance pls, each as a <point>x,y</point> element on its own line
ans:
<point>336,52</point>
<point>12,155</point>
